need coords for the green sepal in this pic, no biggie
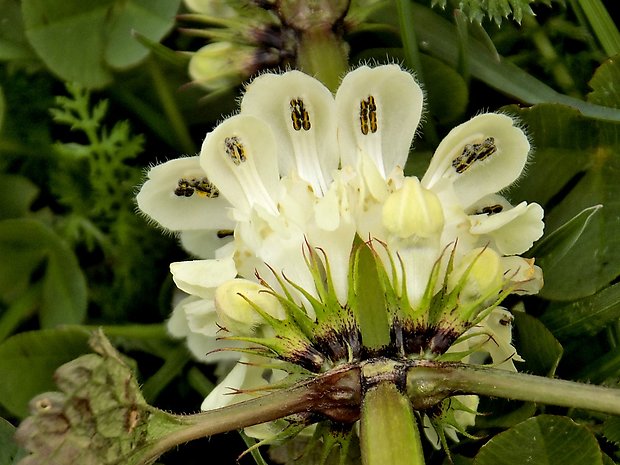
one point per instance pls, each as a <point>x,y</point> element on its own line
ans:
<point>367,298</point>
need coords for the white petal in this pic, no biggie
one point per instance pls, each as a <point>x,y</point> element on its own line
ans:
<point>378,111</point>
<point>514,230</point>
<point>189,208</point>
<point>522,272</point>
<point>300,111</point>
<point>239,156</point>
<point>481,157</point>
<point>224,393</point>
<point>201,277</point>
<point>205,244</point>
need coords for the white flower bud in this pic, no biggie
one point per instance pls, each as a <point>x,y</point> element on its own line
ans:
<point>236,313</point>
<point>484,273</point>
<point>413,211</point>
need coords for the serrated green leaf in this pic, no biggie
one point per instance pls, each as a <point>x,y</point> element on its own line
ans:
<point>586,316</point>
<point>24,245</point>
<point>576,164</point>
<point>605,84</point>
<point>541,351</point>
<point>607,460</point>
<point>17,193</point>
<point>83,40</point>
<point>611,430</point>
<point>542,440</point>
<point>28,361</point>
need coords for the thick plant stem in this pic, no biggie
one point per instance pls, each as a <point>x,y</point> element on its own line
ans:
<point>335,395</point>
<point>389,430</point>
<point>427,385</point>
<point>322,54</point>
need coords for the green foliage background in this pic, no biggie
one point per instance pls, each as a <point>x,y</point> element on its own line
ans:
<point>91,94</point>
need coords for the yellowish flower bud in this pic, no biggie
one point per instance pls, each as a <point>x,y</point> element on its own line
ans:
<point>483,272</point>
<point>234,310</point>
<point>222,64</point>
<point>413,211</point>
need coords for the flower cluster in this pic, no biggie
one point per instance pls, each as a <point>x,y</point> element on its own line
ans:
<point>290,196</point>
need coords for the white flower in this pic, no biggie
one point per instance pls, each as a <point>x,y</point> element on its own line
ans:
<point>301,175</point>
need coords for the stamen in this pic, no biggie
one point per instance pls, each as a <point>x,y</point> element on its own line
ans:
<point>202,186</point>
<point>490,210</point>
<point>474,152</point>
<point>235,150</point>
<point>299,115</point>
<point>368,115</point>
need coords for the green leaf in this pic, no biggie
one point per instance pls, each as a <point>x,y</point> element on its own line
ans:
<point>586,316</point>
<point>151,18</point>
<point>446,90</point>
<point>496,10</point>
<point>605,84</point>
<point>439,38</point>
<point>13,43</point>
<point>2,108</point>
<point>83,40</point>
<point>611,430</point>
<point>9,450</point>
<point>542,440</point>
<point>575,166</point>
<point>24,245</point>
<point>28,361</point>
<point>17,193</point>
<point>552,247</point>
<point>541,351</point>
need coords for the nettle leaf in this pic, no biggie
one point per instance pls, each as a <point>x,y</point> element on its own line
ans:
<point>611,430</point>
<point>585,316</point>
<point>28,361</point>
<point>25,244</point>
<point>86,41</point>
<point>605,84</point>
<point>542,440</point>
<point>574,167</point>
<point>476,10</point>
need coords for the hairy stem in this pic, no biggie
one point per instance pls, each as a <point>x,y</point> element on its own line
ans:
<point>333,395</point>
<point>426,385</point>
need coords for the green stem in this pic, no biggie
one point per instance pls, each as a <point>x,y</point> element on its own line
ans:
<point>426,385</point>
<point>324,55</point>
<point>560,73</point>
<point>603,25</point>
<point>412,56</point>
<point>329,394</point>
<point>171,108</point>
<point>389,430</point>
<point>173,365</point>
